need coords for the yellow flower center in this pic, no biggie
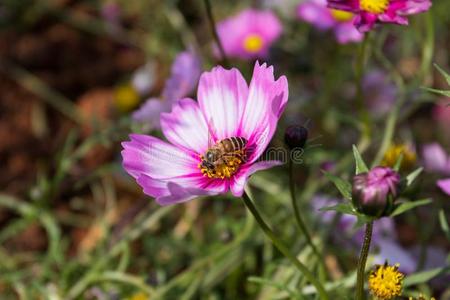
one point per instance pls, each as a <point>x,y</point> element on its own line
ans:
<point>341,15</point>
<point>392,155</point>
<point>253,43</point>
<point>374,6</point>
<point>385,282</point>
<point>225,168</point>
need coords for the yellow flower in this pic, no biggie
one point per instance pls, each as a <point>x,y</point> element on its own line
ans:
<point>393,154</point>
<point>385,281</point>
<point>125,98</point>
<point>139,296</point>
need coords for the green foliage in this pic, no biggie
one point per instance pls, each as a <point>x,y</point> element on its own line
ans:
<point>447,78</point>
<point>361,166</point>
<point>75,226</point>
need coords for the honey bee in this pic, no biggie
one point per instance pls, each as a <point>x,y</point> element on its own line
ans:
<point>223,159</point>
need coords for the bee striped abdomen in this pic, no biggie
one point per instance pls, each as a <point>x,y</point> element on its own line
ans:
<point>234,143</point>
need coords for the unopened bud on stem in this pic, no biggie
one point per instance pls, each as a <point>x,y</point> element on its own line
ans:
<point>296,136</point>
<point>374,191</point>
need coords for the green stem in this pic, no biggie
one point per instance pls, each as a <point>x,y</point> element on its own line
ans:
<point>151,217</point>
<point>359,73</point>
<point>283,248</point>
<point>212,25</point>
<point>300,222</point>
<point>362,262</point>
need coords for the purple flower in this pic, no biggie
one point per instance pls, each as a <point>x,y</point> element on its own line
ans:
<point>316,13</point>
<point>227,108</point>
<point>184,76</point>
<point>380,93</point>
<point>435,159</point>
<point>370,12</point>
<point>391,250</point>
<point>249,34</point>
<point>383,228</point>
<point>444,185</point>
<point>185,72</point>
<point>370,190</point>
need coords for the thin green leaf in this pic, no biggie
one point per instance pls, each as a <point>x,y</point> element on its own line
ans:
<point>423,277</point>
<point>344,187</point>
<point>444,223</point>
<point>405,206</point>
<point>344,208</point>
<point>398,163</point>
<point>445,74</point>
<point>412,176</point>
<point>361,166</point>
<point>440,92</point>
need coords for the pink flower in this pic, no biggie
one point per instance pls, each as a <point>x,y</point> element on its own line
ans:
<point>227,108</point>
<point>317,13</point>
<point>435,159</point>
<point>249,34</point>
<point>184,76</point>
<point>370,12</point>
<point>444,185</point>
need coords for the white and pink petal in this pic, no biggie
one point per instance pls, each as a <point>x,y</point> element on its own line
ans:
<point>181,189</point>
<point>152,157</point>
<point>186,126</point>
<point>222,95</point>
<point>266,101</point>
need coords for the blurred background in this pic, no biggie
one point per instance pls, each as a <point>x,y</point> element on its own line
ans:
<point>74,225</point>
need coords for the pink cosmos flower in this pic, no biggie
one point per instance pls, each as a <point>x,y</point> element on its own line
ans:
<point>444,185</point>
<point>370,12</point>
<point>317,13</point>
<point>185,72</point>
<point>227,108</point>
<point>435,159</point>
<point>249,34</point>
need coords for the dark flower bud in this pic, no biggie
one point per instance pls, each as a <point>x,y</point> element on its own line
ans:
<point>295,136</point>
<point>373,192</point>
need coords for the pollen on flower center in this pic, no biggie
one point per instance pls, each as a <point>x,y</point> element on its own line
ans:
<point>385,282</point>
<point>227,168</point>
<point>253,43</point>
<point>374,6</point>
<point>340,15</point>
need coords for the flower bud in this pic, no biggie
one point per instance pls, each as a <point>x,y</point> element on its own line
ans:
<point>295,136</point>
<point>374,191</point>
